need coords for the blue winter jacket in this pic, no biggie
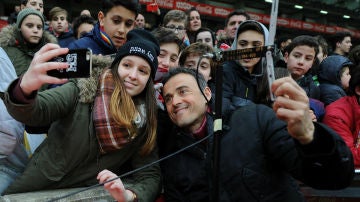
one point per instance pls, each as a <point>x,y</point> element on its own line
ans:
<point>94,41</point>
<point>329,78</point>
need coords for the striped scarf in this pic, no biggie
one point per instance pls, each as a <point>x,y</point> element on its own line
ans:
<point>111,136</point>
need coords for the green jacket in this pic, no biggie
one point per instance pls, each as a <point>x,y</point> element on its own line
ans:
<point>19,52</point>
<point>70,156</point>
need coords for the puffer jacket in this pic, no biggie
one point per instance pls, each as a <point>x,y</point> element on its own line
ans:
<point>19,51</point>
<point>70,156</point>
<point>329,78</point>
<point>94,41</point>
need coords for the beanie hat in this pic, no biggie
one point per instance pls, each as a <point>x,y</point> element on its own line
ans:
<point>141,43</point>
<point>28,11</point>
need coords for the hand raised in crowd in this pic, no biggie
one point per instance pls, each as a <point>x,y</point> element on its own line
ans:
<point>116,187</point>
<point>36,75</point>
<point>292,105</point>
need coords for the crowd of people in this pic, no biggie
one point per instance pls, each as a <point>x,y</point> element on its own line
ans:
<point>151,93</point>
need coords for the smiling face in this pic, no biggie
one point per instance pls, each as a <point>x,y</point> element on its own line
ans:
<point>32,29</point>
<point>135,73</point>
<point>117,22</point>
<point>249,39</point>
<point>168,57</point>
<point>300,60</point>
<point>184,102</point>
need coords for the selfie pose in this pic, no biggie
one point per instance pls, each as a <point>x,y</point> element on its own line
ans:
<point>107,121</point>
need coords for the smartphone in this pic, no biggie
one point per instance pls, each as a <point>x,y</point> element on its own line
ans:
<point>80,64</point>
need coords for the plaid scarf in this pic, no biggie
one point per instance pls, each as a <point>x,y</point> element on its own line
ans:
<point>111,136</point>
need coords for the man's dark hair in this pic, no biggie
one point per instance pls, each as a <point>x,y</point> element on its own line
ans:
<point>338,37</point>
<point>354,80</point>
<point>250,25</point>
<point>81,20</point>
<point>205,29</point>
<point>182,70</point>
<point>303,40</point>
<point>236,12</point>
<point>132,5</point>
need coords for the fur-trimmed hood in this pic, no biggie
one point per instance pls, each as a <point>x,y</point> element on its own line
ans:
<point>88,86</point>
<point>9,33</point>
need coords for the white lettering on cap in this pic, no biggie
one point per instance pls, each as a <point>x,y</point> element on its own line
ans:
<point>150,56</point>
<point>136,49</point>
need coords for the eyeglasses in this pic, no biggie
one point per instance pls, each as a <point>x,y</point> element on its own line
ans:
<point>173,27</point>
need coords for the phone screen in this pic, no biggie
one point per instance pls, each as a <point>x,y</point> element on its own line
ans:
<point>80,64</point>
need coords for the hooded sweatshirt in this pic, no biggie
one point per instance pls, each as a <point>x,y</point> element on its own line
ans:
<point>240,87</point>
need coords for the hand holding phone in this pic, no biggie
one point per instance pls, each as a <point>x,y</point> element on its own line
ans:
<point>80,64</point>
<point>36,75</point>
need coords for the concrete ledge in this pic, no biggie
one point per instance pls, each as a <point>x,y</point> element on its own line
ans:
<point>96,194</point>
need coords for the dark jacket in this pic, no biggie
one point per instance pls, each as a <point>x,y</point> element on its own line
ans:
<point>94,41</point>
<point>307,83</point>
<point>64,38</point>
<point>18,50</point>
<point>70,155</point>
<point>239,86</point>
<point>258,159</point>
<point>329,78</point>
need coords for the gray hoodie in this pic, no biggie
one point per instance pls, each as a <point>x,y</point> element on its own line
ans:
<point>258,69</point>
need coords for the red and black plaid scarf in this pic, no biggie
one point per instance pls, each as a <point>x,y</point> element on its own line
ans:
<point>111,136</point>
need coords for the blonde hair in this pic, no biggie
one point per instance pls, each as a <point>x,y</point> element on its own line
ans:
<point>121,100</point>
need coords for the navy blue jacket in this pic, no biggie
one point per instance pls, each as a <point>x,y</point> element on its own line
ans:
<point>94,41</point>
<point>258,160</point>
<point>66,38</point>
<point>329,78</point>
<point>307,83</point>
<point>239,86</point>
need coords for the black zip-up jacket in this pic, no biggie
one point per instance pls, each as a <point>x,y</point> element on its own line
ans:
<point>258,162</point>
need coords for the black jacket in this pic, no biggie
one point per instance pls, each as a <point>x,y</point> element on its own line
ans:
<point>258,161</point>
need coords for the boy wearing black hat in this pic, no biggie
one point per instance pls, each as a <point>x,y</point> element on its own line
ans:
<point>107,121</point>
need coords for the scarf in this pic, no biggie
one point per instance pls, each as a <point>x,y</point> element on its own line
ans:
<point>111,135</point>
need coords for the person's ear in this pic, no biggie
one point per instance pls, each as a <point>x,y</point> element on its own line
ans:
<point>101,17</point>
<point>286,57</point>
<point>357,90</point>
<point>207,93</point>
<point>338,44</point>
